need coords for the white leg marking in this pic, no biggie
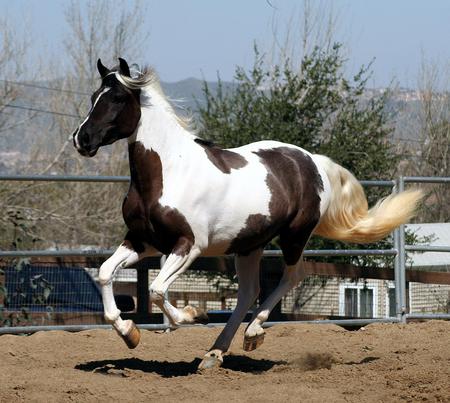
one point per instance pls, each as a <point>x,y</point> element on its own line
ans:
<point>122,257</point>
<point>173,267</point>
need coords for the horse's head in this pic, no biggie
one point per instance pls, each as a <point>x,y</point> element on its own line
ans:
<point>114,114</point>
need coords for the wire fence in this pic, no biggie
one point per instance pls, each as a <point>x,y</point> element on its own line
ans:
<point>60,287</point>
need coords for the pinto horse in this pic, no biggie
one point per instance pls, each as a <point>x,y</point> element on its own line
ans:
<point>189,197</point>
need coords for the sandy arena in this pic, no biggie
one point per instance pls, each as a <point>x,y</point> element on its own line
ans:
<point>297,363</point>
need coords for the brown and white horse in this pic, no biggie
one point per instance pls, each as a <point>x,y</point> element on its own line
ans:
<point>188,198</point>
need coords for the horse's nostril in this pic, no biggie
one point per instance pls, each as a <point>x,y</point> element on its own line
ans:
<point>82,141</point>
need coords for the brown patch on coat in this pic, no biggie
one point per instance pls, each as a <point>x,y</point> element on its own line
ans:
<point>224,160</point>
<point>148,221</point>
<point>294,184</point>
<point>256,233</point>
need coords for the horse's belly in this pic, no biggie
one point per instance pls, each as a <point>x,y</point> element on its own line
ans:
<point>242,236</point>
<point>256,233</point>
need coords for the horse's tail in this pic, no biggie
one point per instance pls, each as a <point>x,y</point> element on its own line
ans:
<point>348,217</point>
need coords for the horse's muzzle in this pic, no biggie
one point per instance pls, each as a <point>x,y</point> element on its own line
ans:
<point>83,151</point>
<point>87,153</point>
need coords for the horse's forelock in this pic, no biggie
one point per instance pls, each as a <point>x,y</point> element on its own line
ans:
<point>144,77</point>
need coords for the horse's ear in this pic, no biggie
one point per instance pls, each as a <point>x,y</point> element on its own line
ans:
<point>124,69</point>
<point>102,69</point>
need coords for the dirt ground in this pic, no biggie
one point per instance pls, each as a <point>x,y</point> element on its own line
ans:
<point>297,363</point>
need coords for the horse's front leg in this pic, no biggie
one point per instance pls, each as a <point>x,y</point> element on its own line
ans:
<point>124,256</point>
<point>176,263</point>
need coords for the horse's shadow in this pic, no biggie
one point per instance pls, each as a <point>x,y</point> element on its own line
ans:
<point>165,369</point>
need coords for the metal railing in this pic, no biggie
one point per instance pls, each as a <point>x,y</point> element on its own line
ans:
<point>399,251</point>
<point>399,242</point>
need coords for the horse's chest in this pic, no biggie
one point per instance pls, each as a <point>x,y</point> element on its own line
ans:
<point>161,226</point>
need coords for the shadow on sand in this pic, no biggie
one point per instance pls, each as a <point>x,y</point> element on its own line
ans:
<point>238,363</point>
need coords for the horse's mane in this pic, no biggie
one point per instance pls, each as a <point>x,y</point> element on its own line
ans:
<point>141,78</point>
<point>147,77</point>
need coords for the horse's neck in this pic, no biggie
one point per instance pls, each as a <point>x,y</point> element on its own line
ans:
<point>159,140</point>
<point>159,129</point>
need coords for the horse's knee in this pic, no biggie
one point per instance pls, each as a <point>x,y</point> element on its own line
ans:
<point>156,293</point>
<point>156,296</point>
<point>104,277</point>
<point>105,274</point>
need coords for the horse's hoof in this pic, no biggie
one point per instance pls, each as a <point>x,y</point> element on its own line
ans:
<point>253,342</point>
<point>195,315</point>
<point>212,360</point>
<point>132,337</point>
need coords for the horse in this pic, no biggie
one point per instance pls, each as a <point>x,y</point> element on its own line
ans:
<point>189,197</point>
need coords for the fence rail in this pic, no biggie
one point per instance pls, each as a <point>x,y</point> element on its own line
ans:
<point>266,253</point>
<point>398,250</point>
<point>63,178</point>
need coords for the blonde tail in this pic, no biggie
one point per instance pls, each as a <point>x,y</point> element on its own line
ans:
<point>348,217</point>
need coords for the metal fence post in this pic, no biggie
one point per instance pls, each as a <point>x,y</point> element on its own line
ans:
<point>398,305</point>
<point>402,258</point>
<point>400,275</point>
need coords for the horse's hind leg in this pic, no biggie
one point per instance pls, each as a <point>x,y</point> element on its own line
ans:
<point>254,334</point>
<point>124,256</point>
<point>292,245</point>
<point>247,269</point>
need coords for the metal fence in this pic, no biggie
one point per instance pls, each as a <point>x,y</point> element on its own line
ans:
<point>53,293</point>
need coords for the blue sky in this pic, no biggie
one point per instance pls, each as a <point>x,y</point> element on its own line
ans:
<point>195,38</point>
